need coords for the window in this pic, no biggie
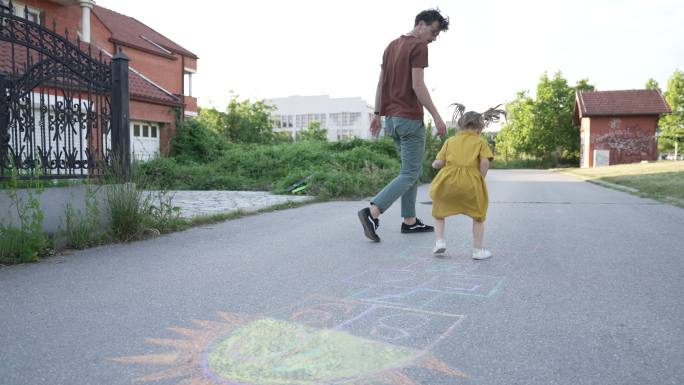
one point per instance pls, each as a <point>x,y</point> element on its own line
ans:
<point>275,121</point>
<point>187,83</point>
<point>303,121</point>
<point>344,134</point>
<point>345,119</point>
<point>33,13</point>
<point>148,132</point>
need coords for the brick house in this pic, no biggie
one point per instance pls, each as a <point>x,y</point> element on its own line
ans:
<point>618,126</point>
<point>160,71</point>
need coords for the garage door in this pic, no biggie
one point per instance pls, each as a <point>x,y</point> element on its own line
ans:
<point>144,140</point>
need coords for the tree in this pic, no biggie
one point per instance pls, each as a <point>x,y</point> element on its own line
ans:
<point>314,132</point>
<point>243,122</point>
<point>652,84</point>
<point>248,122</point>
<point>672,125</point>
<point>514,138</point>
<point>543,127</point>
<point>212,118</point>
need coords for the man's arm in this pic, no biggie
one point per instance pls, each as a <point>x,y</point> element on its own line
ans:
<point>376,122</point>
<point>418,77</point>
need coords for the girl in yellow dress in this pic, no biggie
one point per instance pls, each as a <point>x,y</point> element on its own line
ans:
<point>459,187</point>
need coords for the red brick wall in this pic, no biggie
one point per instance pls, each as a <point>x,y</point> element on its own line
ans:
<point>63,18</point>
<point>191,63</point>
<point>69,17</point>
<point>167,73</point>
<point>99,34</point>
<point>190,104</point>
<point>629,138</point>
<point>156,113</point>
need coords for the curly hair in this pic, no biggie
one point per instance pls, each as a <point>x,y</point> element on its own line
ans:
<point>476,120</point>
<point>429,16</point>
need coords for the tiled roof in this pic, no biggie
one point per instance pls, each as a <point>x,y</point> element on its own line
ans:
<point>130,31</point>
<point>139,87</point>
<point>624,102</point>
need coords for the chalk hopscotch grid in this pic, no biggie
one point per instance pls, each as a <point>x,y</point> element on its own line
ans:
<point>478,282</point>
<point>368,311</point>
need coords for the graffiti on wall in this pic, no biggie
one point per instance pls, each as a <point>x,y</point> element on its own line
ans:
<point>626,143</point>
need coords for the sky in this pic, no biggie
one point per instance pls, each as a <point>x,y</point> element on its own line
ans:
<point>263,49</point>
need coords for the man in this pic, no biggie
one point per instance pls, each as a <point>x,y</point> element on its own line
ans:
<point>400,97</point>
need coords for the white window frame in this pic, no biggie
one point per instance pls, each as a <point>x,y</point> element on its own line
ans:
<point>19,10</point>
<point>141,124</point>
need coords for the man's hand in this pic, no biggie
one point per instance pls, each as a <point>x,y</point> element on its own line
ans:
<point>441,127</point>
<point>375,126</point>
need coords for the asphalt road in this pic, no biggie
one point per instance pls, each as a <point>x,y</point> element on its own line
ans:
<point>585,287</point>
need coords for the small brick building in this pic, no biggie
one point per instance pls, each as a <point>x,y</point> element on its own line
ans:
<point>618,127</point>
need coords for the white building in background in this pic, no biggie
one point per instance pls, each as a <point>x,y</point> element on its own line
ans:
<point>344,118</point>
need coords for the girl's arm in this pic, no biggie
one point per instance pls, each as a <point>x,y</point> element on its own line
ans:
<point>484,166</point>
<point>438,163</point>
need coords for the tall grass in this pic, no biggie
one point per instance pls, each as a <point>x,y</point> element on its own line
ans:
<point>352,168</point>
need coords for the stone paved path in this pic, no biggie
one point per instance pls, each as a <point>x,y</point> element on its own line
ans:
<point>194,203</point>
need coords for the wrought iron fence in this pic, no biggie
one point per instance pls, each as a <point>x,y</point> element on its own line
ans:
<point>63,108</point>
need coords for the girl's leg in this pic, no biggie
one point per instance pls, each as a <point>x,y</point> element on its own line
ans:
<point>478,233</point>
<point>439,228</point>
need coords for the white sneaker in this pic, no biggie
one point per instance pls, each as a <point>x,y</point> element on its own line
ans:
<point>481,254</point>
<point>440,247</point>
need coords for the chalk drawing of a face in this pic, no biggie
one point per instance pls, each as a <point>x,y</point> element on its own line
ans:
<point>241,350</point>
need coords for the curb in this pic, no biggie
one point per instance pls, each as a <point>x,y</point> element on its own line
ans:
<point>599,182</point>
<point>612,185</point>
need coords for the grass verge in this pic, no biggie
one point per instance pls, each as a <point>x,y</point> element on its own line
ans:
<point>663,180</point>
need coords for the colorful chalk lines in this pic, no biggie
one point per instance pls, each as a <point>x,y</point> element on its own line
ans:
<point>381,333</point>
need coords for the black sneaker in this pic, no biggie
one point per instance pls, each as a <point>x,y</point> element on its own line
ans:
<point>418,227</point>
<point>369,224</point>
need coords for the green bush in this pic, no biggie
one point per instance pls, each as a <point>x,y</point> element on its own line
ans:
<point>313,132</point>
<point>433,144</point>
<point>340,169</point>
<point>195,141</point>
<point>27,241</point>
<point>161,215</point>
<point>79,232</point>
<point>84,229</point>
<point>126,210</point>
<point>20,246</point>
<point>532,163</point>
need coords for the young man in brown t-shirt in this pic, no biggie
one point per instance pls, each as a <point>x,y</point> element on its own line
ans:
<point>400,98</point>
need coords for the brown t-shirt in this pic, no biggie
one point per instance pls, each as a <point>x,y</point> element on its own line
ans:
<point>398,97</point>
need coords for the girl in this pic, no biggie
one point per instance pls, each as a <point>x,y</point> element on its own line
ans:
<point>459,187</point>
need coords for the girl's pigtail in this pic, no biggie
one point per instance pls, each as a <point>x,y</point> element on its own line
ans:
<point>459,110</point>
<point>493,115</point>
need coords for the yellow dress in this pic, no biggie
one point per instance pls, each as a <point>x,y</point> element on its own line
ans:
<point>459,187</point>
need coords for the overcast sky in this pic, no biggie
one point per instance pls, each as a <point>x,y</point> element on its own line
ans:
<point>265,49</point>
